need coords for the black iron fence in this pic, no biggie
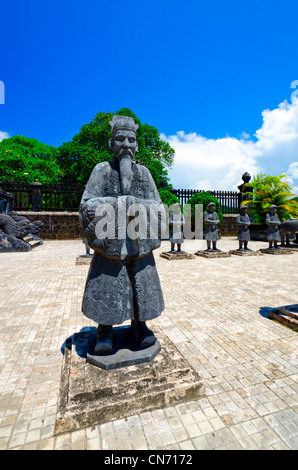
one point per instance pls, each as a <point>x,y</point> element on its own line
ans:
<point>54,197</point>
<point>229,200</point>
<point>44,197</point>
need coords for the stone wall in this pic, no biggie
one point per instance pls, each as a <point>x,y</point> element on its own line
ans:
<point>57,225</point>
<point>65,225</point>
<point>228,226</point>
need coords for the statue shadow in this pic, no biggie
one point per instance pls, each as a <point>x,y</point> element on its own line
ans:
<point>84,341</point>
<point>80,340</point>
<point>264,311</point>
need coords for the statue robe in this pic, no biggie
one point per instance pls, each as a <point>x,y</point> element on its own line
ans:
<point>117,290</point>
<point>176,222</point>
<point>243,222</point>
<point>211,220</point>
<point>273,222</point>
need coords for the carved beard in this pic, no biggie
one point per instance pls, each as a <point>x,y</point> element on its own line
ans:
<point>125,169</point>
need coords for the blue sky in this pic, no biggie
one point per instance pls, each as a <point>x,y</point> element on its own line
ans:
<point>213,77</point>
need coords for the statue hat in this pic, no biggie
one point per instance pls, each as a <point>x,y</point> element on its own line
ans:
<point>123,122</point>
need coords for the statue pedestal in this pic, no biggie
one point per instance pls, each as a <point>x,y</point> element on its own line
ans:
<point>245,253</point>
<point>90,395</point>
<point>272,251</point>
<point>84,259</point>
<point>124,354</point>
<point>287,315</point>
<point>289,247</point>
<point>213,254</point>
<point>169,255</point>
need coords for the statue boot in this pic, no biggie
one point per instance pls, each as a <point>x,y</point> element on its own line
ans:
<point>173,248</point>
<point>104,339</point>
<point>143,337</point>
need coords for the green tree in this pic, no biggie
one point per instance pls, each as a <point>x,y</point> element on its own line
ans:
<point>269,190</point>
<point>28,160</point>
<point>205,198</point>
<point>90,146</point>
<point>167,197</point>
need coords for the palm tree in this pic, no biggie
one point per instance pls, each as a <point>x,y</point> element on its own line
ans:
<point>268,190</point>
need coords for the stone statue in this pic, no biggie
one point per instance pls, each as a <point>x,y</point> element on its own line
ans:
<point>176,222</point>
<point>243,222</point>
<point>122,283</point>
<point>14,227</point>
<point>211,220</point>
<point>87,247</point>
<point>273,222</point>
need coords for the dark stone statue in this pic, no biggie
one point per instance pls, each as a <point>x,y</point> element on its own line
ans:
<point>288,228</point>
<point>273,223</point>
<point>243,222</point>
<point>211,220</point>
<point>176,222</point>
<point>122,283</point>
<point>14,227</point>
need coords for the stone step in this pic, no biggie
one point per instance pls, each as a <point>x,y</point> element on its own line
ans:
<point>291,311</point>
<point>286,319</point>
<point>33,241</point>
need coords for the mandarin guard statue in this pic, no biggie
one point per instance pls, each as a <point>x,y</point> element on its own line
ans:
<point>243,222</point>
<point>176,222</point>
<point>211,220</point>
<point>123,282</point>
<point>273,223</point>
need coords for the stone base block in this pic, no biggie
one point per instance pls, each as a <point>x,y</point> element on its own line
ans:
<point>213,254</point>
<point>272,251</point>
<point>124,354</point>
<point>245,253</point>
<point>289,247</point>
<point>287,315</point>
<point>90,395</point>
<point>174,256</point>
<point>84,259</point>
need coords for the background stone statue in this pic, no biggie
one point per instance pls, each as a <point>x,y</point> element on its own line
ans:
<point>14,227</point>
<point>211,220</point>
<point>243,222</point>
<point>176,222</point>
<point>273,223</point>
<point>122,283</point>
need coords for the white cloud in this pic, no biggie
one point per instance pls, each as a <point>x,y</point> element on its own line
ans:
<point>3,135</point>
<point>202,163</point>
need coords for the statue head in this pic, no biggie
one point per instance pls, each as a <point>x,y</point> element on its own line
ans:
<point>272,209</point>
<point>124,136</point>
<point>246,177</point>
<point>177,207</point>
<point>211,206</point>
<point>243,208</point>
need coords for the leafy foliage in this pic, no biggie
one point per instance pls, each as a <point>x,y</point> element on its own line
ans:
<point>90,146</point>
<point>268,190</point>
<point>167,197</point>
<point>28,160</point>
<point>205,198</point>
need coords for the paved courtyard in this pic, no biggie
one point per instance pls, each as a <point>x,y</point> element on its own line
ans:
<point>216,315</point>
